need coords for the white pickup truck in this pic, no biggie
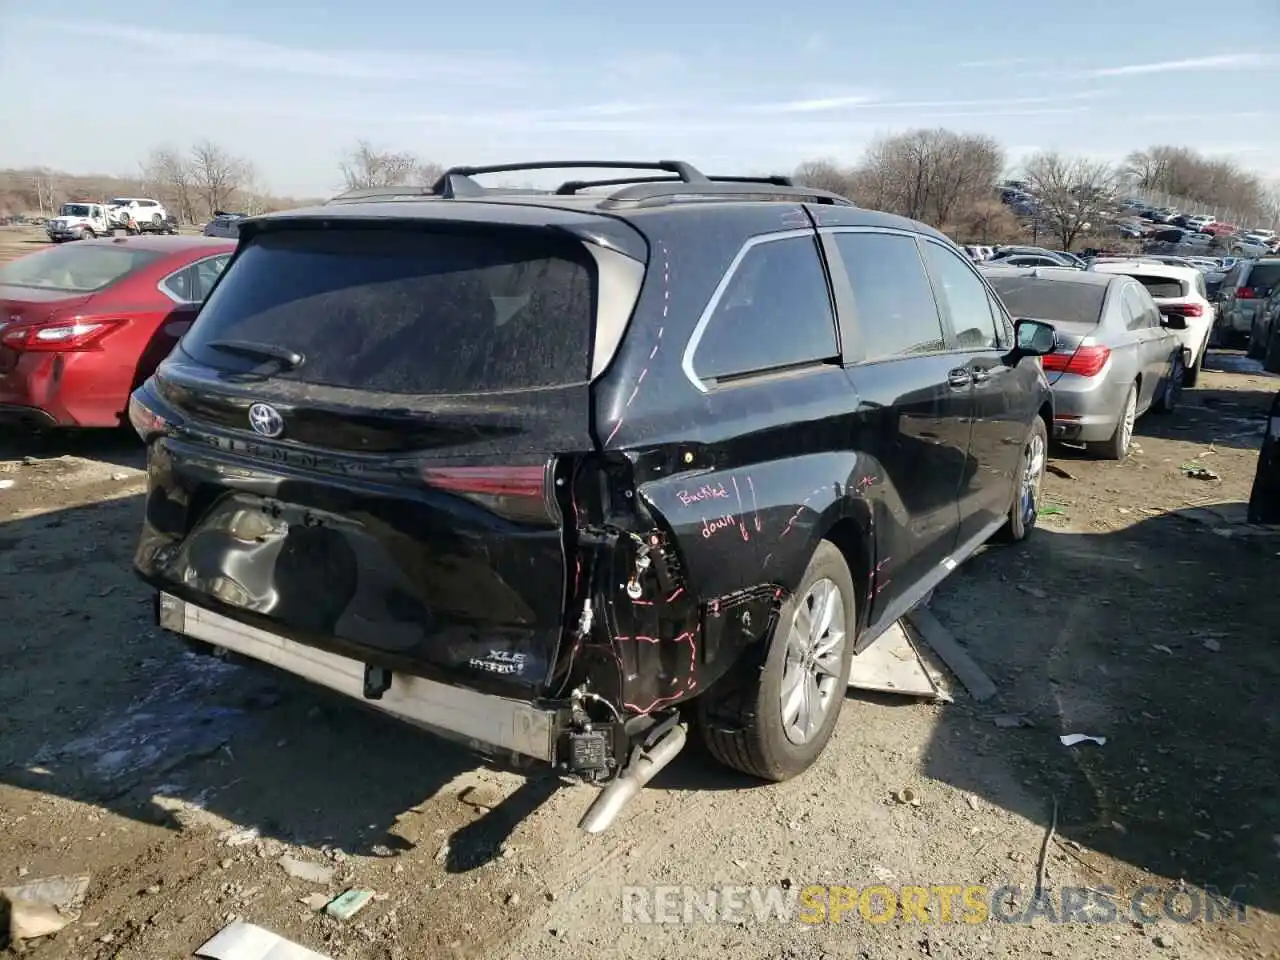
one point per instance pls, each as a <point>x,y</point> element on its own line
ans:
<point>79,221</point>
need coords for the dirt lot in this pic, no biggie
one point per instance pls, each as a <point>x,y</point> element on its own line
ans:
<point>176,782</point>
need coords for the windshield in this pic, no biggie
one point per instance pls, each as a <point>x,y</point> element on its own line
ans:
<point>78,268</point>
<point>74,210</point>
<point>1057,301</point>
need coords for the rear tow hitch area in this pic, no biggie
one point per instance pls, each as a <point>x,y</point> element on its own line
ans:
<point>648,757</point>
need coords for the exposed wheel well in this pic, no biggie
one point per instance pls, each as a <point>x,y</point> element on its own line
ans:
<point>850,541</point>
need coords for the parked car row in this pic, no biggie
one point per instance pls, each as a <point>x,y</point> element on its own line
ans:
<point>1130,334</point>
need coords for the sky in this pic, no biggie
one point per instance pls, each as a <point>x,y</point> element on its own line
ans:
<point>733,86</point>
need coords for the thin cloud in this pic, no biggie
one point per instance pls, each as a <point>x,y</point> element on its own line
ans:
<point>998,62</point>
<point>815,105</point>
<point>246,53</point>
<point>1225,61</point>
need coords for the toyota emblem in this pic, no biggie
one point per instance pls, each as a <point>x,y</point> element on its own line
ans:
<point>266,420</point>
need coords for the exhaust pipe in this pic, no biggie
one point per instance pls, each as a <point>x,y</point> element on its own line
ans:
<point>605,808</point>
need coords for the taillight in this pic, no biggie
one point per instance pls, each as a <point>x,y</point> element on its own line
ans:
<point>1183,309</point>
<point>145,421</point>
<point>1246,293</point>
<point>1085,362</point>
<point>518,493</point>
<point>61,336</point>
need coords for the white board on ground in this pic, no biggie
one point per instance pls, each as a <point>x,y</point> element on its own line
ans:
<point>245,941</point>
<point>891,665</point>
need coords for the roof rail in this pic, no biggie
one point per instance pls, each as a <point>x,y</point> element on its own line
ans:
<point>459,182</point>
<point>675,181</point>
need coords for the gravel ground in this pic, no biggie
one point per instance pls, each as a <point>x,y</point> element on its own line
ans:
<point>1136,613</point>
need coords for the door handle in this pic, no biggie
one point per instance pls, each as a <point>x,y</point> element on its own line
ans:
<point>980,375</point>
<point>959,378</point>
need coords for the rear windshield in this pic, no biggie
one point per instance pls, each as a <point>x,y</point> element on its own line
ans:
<point>80,268</point>
<point>1057,301</point>
<point>1166,287</point>
<point>1264,276</point>
<point>407,312</point>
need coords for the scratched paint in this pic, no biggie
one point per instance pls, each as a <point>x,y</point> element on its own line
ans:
<point>657,343</point>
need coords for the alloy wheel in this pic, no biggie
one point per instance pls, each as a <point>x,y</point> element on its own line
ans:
<point>811,671</point>
<point>1033,463</point>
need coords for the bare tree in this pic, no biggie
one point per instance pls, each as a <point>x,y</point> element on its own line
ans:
<point>217,175</point>
<point>929,175</point>
<point>1073,192</point>
<point>171,176</point>
<point>826,175</point>
<point>1184,173</point>
<point>365,165</point>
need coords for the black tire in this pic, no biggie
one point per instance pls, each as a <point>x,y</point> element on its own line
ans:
<point>1026,503</point>
<point>1256,349</point>
<point>1271,355</point>
<point>1192,372</point>
<point>1171,389</point>
<point>87,234</point>
<point>157,219</point>
<point>756,742</point>
<point>1116,447</point>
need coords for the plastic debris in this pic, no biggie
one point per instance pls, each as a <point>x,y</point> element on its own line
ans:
<point>1071,739</point>
<point>349,904</point>
<point>245,941</point>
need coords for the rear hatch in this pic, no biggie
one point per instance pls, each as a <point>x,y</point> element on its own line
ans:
<point>1074,309</point>
<point>377,420</point>
<point>1259,282</point>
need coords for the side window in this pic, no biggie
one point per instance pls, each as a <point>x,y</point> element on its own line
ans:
<point>1004,325</point>
<point>1200,287</point>
<point>776,312</point>
<point>965,299</point>
<point>181,285</point>
<point>1145,313</point>
<point>896,312</point>
<point>192,284</point>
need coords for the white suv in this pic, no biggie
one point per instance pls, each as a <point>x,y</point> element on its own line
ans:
<point>143,210</point>
<point>1178,292</point>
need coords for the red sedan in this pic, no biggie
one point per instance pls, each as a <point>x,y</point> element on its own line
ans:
<point>83,324</point>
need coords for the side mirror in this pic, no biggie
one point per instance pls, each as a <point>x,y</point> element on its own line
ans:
<point>1034,338</point>
<point>1173,321</point>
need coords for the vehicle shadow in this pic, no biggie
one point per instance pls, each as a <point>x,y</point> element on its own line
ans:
<point>102,707</point>
<point>120,447</point>
<point>1160,638</point>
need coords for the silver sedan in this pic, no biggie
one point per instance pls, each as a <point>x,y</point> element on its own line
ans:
<point>1116,355</point>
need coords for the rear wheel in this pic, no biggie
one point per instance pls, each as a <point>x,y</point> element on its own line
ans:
<point>157,219</point>
<point>1167,402</point>
<point>788,706</point>
<point>1271,355</point>
<point>1026,496</point>
<point>1117,446</point>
